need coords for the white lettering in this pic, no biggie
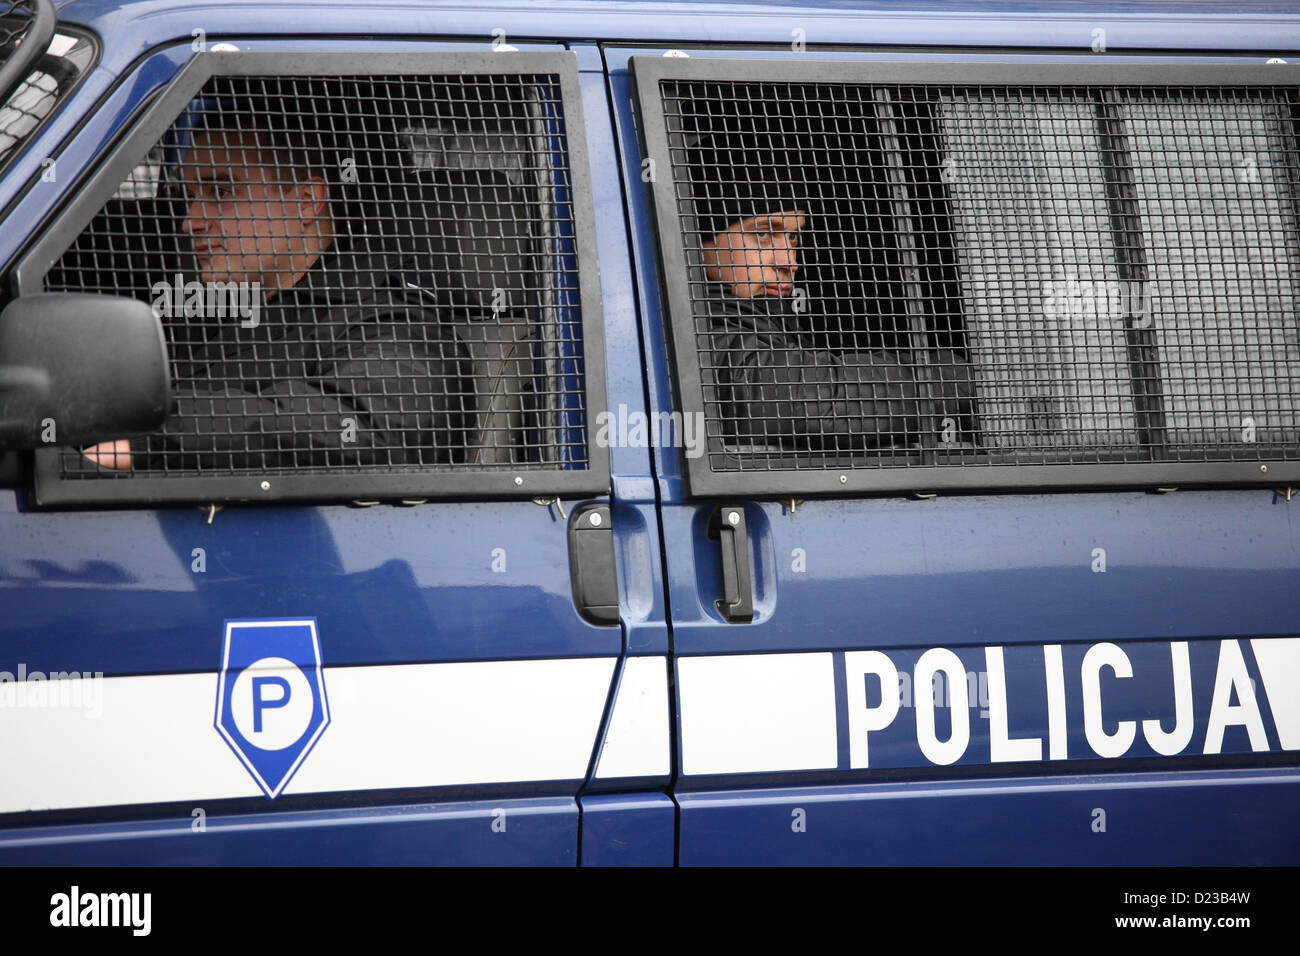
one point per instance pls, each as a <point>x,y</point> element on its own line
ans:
<point>1173,742</point>
<point>162,298</point>
<point>1057,739</point>
<point>59,912</point>
<point>602,429</point>
<point>692,435</point>
<point>1002,748</point>
<point>1231,676</point>
<point>942,752</point>
<point>1102,743</point>
<point>864,719</point>
<point>637,436</point>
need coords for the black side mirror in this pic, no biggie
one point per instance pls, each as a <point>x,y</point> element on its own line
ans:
<point>78,369</point>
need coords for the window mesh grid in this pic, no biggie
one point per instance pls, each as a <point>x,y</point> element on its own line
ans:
<point>888,275</point>
<point>367,275</point>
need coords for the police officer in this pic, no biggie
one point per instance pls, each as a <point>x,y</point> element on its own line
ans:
<point>342,364</point>
<point>778,393</point>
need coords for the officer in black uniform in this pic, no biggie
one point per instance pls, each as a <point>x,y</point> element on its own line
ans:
<point>776,392</point>
<point>337,362</point>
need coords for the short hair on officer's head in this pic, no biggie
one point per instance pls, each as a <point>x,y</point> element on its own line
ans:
<point>338,129</point>
<point>296,155</point>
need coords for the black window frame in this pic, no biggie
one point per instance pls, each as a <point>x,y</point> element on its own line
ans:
<point>985,474</point>
<point>462,480</point>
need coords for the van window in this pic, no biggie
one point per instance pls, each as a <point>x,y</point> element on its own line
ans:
<point>1000,284</point>
<point>358,275</point>
<point>58,70</point>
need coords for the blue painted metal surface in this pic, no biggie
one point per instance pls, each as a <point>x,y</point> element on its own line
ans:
<point>1211,818</point>
<point>572,410</point>
<point>136,26</point>
<point>537,831</point>
<point>628,829</point>
<point>638,551</point>
<point>1001,569</point>
<point>115,591</point>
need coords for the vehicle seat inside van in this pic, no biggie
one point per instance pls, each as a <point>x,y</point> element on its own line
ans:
<point>470,245</point>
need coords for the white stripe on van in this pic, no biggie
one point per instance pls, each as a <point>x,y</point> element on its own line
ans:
<point>636,743</point>
<point>757,712</point>
<point>411,725</point>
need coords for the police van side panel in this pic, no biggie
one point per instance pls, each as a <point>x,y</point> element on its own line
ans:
<point>455,698</point>
<point>1100,677</point>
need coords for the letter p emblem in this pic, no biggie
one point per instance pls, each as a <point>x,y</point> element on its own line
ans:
<point>260,701</point>
<point>271,704</point>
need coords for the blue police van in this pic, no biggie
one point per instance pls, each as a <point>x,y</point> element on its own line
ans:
<point>649,433</point>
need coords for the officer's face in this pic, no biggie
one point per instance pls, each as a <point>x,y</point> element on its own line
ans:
<point>756,256</point>
<point>249,222</point>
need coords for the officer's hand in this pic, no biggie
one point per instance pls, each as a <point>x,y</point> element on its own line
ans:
<point>111,454</point>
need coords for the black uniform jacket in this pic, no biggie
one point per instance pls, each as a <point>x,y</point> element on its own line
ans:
<point>778,393</point>
<point>349,367</point>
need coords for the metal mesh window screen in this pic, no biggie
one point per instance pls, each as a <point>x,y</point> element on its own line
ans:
<point>1036,257</point>
<point>1214,181</point>
<point>890,275</point>
<point>370,275</point>
<point>770,348</point>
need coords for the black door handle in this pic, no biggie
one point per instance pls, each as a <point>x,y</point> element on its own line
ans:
<point>591,564</point>
<point>727,526</point>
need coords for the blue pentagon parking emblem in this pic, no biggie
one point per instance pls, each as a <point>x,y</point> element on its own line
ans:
<point>271,704</point>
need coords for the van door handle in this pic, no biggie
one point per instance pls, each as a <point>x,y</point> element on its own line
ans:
<point>727,526</point>
<point>591,564</point>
